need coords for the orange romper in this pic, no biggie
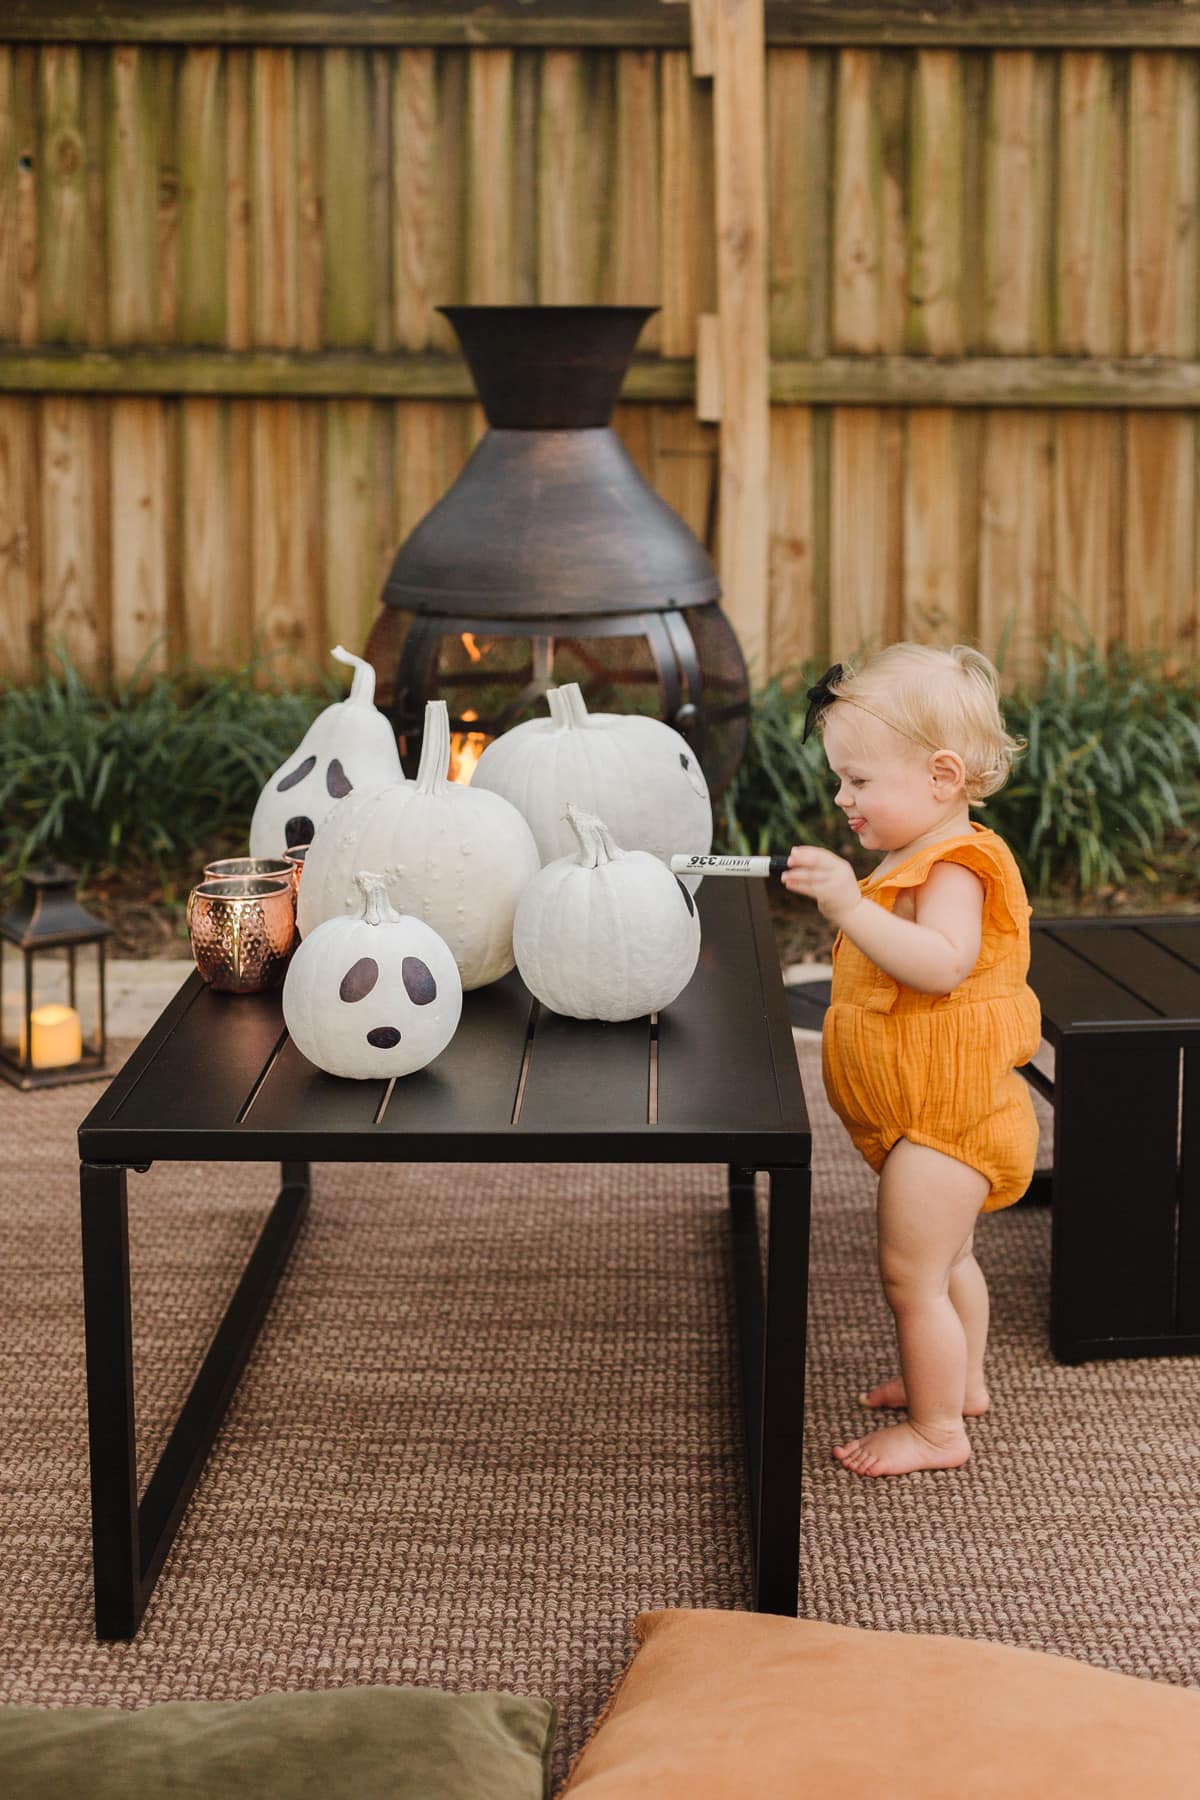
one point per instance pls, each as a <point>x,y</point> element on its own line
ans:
<point>938,1069</point>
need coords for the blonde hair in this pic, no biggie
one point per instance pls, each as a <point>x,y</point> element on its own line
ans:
<point>942,700</point>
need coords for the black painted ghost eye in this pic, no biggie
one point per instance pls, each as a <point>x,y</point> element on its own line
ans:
<point>384,1037</point>
<point>419,984</point>
<point>297,775</point>
<point>337,782</point>
<point>684,762</point>
<point>298,831</point>
<point>358,981</point>
<point>691,904</point>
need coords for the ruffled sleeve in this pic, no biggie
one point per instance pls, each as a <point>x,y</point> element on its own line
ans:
<point>1006,908</point>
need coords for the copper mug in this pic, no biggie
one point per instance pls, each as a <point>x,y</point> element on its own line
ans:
<point>242,931</point>
<point>294,858</point>
<point>243,868</point>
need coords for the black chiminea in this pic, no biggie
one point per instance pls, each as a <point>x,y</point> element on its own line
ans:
<point>551,560</point>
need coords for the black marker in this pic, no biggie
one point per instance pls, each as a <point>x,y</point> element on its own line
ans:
<point>728,865</point>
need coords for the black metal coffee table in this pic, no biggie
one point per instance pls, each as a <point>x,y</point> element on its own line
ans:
<point>714,1079</point>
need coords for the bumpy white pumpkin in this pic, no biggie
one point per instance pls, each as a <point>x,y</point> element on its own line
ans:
<point>456,857</point>
<point>637,774</point>
<point>349,746</point>
<point>373,996</point>
<point>606,933</point>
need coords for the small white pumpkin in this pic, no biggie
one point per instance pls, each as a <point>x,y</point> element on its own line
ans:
<point>606,933</point>
<point>639,775</point>
<point>373,996</point>
<point>348,747</point>
<point>456,857</point>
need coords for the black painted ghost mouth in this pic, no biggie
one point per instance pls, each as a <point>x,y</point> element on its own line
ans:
<point>298,830</point>
<point>384,1037</point>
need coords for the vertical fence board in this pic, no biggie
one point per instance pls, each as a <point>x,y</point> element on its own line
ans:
<point>686,205</point>
<point>348,503</point>
<point>1017,167</point>
<point>313,204</point>
<point>238,203</point>
<point>203,163</point>
<point>1160,567</point>
<point>793,195</point>
<point>683,463</point>
<point>794,634</point>
<point>1086,448</point>
<point>273,212</point>
<point>419,250</point>
<point>525,121</point>
<point>1016,550</point>
<point>280,523</point>
<point>634,273</point>
<point>380,178</point>
<point>95,114</point>
<point>12,149</point>
<point>870,223</point>
<point>577,104</point>
<point>19,574</point>
<point>62,209</point>
<point>213,625</point>
<point>865,565</point>
<point>133,197</point>
<point>930,527</point>
<point>489,209</point>
<point>139,536</point>
<point>165,69</point>
<point>73,589</point>
<point>935,323</point>
<point>345,160</point>
<point>1089,235</point>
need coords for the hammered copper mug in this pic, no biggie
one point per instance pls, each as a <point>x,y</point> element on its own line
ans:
<point>242,931</point>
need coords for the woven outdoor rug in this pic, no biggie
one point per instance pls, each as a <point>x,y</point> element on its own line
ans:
<point>492,1416</point>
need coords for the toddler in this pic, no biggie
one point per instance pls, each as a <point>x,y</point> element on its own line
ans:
<point>929,1017</point>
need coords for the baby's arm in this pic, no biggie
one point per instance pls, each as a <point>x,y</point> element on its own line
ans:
<point>932,952</point>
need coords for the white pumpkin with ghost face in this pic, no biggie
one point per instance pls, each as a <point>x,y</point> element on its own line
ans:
<point>637,774</point>
<point>350,747</point>
<point>374,996</point>
<point>451,855</point>
<point>606,933</point>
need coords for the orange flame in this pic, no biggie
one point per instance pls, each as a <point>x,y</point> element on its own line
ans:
<point>474,652</point>
<point>466,748</point>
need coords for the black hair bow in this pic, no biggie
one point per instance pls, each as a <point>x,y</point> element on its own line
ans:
<point>819,697</point>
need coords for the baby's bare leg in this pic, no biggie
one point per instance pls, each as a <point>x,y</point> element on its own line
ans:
<point>928,1204</point>
<point>969,1298</point>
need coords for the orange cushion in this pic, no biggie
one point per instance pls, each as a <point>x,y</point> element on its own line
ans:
<point>720,1705</point>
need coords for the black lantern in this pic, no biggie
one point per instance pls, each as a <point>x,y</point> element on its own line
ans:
<point>51,985</point>
<point>551,560</point>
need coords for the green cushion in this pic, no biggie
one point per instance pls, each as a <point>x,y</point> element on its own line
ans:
<point>366,1743</point>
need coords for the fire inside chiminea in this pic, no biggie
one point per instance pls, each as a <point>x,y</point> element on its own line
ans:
<point>551,560</point>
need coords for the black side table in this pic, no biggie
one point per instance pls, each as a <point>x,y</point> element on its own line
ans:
<point>714,1079</point>
<point>1121,1005</point>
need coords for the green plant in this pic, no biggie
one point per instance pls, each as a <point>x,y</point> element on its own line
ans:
<point>1110,777</point>
<point>144,774</point>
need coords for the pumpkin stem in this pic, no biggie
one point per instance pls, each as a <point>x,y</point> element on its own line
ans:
<point>574,706</point>
<point>556,700</point>
<point>597,845</point>
<point>434,765</point>
<point>377,908</point>
<point>362,688</point>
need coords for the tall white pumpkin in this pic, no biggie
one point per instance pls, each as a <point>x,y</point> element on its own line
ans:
<point>640,776</point>
<point>347,748</point>
<point>374,996</point>
<point>455,857</point>
<point>606,933</point>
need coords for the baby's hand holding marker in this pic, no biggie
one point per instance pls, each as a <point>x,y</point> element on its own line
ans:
<point>821,876</point>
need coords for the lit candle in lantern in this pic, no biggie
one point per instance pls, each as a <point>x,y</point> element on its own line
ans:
<point>57,1037</point>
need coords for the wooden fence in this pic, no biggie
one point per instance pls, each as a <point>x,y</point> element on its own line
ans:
<point>225,395</point>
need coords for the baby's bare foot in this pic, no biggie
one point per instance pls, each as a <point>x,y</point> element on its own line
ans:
<point>901,1450</point>
<point>890,1396</point>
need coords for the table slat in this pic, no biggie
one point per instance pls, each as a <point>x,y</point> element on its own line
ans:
<point>294,1091</point>
<point>207,1067</point>
<point>473,1084</point>
<point>1181,937</point>
<point>1139,963</point>
<point>1071,992</point>
<point>586,1075</point>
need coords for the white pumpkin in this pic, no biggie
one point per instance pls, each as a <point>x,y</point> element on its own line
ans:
<point>636,773</point>
<point>606,933</point>
<point>349,746</point>
<point>456,857</point>
<point>374,996</point>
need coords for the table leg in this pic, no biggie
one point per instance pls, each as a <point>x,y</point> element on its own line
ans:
<point>130,1541</point>
<point>772,1348</point>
